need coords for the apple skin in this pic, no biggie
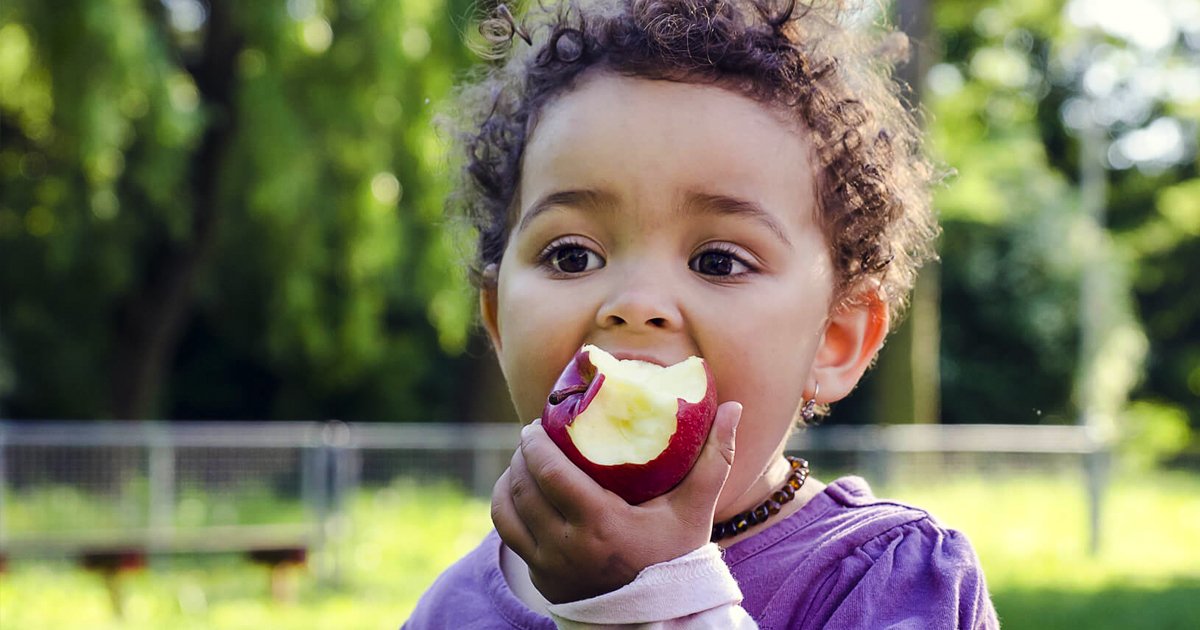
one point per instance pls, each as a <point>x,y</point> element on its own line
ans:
<point>636,483</point>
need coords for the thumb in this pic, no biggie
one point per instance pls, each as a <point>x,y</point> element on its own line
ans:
<point>698,491</point>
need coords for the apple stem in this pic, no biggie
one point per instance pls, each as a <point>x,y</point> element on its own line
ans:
<point>562,394</point>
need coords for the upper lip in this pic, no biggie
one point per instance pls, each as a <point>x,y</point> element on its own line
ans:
<point>639,356</point>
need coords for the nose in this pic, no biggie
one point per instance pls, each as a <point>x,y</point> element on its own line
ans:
<point>641,303</point>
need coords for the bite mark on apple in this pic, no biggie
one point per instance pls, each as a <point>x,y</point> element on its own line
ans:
<point>635,427</point>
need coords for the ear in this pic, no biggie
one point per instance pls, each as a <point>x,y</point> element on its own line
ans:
<point>853,336</point>
<point>489,307</point>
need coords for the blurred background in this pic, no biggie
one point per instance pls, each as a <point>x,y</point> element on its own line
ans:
<point>242,384</point>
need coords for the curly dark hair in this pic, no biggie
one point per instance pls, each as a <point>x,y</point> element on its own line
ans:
<point>873,182</point>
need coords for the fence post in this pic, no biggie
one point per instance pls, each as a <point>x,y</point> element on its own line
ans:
<point>314,492</point>
<point>879,449</point>
<point>1095,464</point>
<point>162,485</point>
<point>490,463</point>
<point>3,481</point>
<point>340,478</point>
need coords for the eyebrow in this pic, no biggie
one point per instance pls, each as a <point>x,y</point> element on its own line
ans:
<point>708,203</point>
<point>695,202</point>
<point>588,199</point>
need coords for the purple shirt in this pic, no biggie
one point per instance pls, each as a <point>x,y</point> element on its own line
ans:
<point>844,560</point>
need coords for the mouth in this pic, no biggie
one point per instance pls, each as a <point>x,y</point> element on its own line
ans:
<point>645,358</point>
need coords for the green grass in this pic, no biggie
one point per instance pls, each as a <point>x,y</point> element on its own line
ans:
<point>1031,534</point>
<point>61,508</point>
<point>401,538</point>
<point>1032,538</point>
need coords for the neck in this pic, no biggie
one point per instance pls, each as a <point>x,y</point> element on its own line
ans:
<point>770,481</point>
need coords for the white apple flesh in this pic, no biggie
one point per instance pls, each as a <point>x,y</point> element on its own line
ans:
<point>635,427</point>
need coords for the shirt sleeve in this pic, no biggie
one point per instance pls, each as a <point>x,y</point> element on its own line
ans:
<point>692,592</point>
<point>917,576</point>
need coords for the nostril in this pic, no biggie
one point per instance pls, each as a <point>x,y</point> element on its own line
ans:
<point>658,322</point>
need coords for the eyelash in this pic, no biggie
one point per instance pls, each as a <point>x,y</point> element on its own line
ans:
<point>546,257</point>
<point>728,250</point>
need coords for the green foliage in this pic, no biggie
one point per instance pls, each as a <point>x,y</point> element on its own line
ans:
<point>239,215</point>
<point>1009,287</point>
<point>1018,248</point>
<point>327,282</point>
<point>1152,433</point>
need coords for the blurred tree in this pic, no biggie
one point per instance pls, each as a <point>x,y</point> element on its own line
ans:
<point>1133,83</point>
<point>1009,290</point>
<point>907,380</point>
<point>227,209</point>
<point>233,209</point>
<point>1007,104</point>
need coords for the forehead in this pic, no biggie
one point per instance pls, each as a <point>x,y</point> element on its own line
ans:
<point>653,140</point>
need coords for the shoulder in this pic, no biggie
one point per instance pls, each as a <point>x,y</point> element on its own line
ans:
<point>471,593</point>
<point>851,557</point>
<point>899,566</point>
<point>856,516</point>
<point>844,517</point>
<point>869,530</point>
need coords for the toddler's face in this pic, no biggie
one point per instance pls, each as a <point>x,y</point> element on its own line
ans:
<point>660,220</point>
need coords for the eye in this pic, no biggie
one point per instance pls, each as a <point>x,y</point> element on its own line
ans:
<point>718,261</point>
<point>571,258</point>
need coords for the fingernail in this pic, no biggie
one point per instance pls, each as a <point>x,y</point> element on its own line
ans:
<point>525,431</point>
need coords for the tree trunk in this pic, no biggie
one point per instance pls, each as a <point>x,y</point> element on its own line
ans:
<point>151,320</point>
<point>909,378</point>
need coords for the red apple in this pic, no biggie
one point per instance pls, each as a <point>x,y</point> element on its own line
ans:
<point>635,427</point>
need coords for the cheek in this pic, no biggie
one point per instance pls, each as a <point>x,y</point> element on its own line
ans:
<point>763,358</point>
<point>539,334</point>
<point>761,350</point>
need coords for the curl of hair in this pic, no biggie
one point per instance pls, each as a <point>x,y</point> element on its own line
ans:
<point>802,60</point>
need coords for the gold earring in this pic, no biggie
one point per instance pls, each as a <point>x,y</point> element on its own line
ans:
<point>809,410</point>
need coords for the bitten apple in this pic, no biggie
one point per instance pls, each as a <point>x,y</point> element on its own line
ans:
<point>635,427</point>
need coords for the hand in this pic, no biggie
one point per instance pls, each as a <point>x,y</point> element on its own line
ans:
<point>580,540</point>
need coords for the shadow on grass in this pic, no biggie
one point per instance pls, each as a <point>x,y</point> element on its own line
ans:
<point>1175,604</point>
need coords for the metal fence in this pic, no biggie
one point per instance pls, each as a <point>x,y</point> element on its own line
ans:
<point>68,488</point>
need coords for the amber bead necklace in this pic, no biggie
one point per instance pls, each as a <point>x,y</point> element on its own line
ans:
<point>765,510</point>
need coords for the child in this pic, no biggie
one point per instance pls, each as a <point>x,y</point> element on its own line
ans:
<point>730,179</point>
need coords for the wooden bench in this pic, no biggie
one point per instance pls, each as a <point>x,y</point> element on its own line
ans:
<point>112,553</point>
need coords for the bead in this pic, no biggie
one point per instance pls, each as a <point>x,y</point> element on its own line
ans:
<point>768,508</point>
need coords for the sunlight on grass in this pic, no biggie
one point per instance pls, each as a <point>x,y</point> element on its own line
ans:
<point>1032,537</point>
<point>402,537</point>
<point>1031,534</point>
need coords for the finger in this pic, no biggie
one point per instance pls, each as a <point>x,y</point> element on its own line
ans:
<point>570,490</point>
<point>509,526</point>
<point>535,510</point>
<point>697,493</point>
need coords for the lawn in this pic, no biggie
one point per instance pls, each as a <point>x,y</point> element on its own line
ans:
<point>1031,535</point>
